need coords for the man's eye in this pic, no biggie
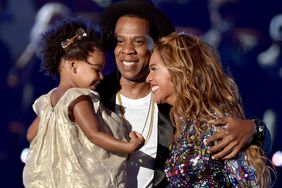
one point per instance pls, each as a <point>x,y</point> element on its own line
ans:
<point>139,42</point>
<point>119,41</point>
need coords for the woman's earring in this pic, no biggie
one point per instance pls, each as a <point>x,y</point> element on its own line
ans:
<point>74,70</point>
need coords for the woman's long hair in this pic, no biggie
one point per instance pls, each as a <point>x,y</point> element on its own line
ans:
<point>203,91</point>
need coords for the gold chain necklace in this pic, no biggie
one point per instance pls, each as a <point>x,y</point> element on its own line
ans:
<point>151,108</point>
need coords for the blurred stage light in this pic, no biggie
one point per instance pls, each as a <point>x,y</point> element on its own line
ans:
<point>24,154</point>
<point>103,3</point>
<point>277,158</point>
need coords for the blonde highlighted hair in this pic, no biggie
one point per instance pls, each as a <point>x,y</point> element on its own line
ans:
<point>203,89</point>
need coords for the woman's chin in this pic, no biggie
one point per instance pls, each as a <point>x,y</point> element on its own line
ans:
<point>158,100</point>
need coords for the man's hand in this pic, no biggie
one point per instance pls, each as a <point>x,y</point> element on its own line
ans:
<point>230,141</point>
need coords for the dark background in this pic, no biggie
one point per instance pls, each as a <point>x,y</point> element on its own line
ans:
<point>240,47</point>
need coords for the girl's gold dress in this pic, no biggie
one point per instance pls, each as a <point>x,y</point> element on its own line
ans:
<point>61,156</point>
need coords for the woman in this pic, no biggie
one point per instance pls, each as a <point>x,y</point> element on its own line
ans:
<point>186,73</point>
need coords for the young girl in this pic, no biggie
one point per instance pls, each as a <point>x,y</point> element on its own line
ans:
<point>75,141</point>
<point>186,73</point>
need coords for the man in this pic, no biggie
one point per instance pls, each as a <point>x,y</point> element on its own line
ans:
<point>134,25</point>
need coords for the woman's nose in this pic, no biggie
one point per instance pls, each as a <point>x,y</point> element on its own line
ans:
<point>101,76</point>
<point>149,78</point>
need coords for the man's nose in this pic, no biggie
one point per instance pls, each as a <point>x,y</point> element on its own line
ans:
<point>128,48</point>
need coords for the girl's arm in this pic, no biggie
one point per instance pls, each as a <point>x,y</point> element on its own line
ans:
<point>84,115</point>
<point>32,130</point>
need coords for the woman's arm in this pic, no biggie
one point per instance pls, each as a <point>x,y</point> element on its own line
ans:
<point>32,130</point>
<point>84,116</point>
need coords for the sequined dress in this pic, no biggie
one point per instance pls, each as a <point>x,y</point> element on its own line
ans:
<point>189,164</point>
<point>61,156</point>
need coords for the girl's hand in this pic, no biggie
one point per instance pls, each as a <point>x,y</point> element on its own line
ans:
<point>136,141</point>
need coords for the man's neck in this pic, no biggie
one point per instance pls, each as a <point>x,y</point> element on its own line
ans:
<point>134,90</point>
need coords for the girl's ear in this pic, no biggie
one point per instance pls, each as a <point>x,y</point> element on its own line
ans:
<point>73,65</point>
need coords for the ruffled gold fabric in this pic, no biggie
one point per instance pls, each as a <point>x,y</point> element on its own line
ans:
<point>61,156</point>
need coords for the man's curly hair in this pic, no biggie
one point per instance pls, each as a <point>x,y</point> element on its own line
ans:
<point>52,51</point>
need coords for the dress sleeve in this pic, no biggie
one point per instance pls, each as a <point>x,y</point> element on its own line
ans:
<point>240,172</point>
<point>40,104</point>
<point>74,93</point>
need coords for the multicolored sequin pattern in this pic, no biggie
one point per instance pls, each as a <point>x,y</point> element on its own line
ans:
<point>189,164</point>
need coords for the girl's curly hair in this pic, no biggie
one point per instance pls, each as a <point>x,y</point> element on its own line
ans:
<point>52,49</point>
